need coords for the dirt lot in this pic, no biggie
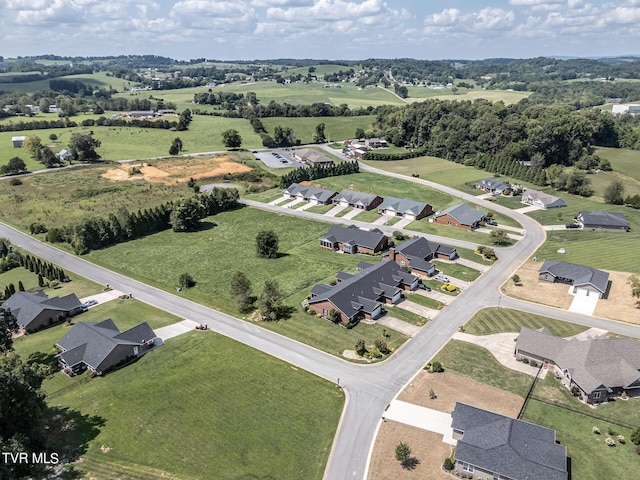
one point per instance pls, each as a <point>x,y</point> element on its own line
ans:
<point>177,170</point>
<point>619,304</point>
<point>427,447</point>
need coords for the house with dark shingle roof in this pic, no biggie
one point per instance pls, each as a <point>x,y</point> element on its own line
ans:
<point>352,239</point>
<point>312,157</point>
<point>585,280</point>
<point>363,201</point>
<point>601,368</point>
<point>600,220</point>
<point>461,216</point>
<point>362,295</point>
<point>314,195</point>
<point>417,253</point>
<point>490,445</point>
<point>34,311</point>
<point>541,199</point>
<point>404,207</point>
<point>493,185</point>
<point>101,346</point>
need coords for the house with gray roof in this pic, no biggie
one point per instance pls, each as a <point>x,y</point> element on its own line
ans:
<point>404,207</point>
<point>363,294</point>
<point>585,280</point>
<point>35,311</point>
<point>600,220</point>
<point>100,346</point>
<point>461,216</point>
<point>493,185</point>
<point>363,201</point>
<point>490,445</point>
<point>600,368</point>
<point>352,239</point>
<point>541,200</point>
<point>314,195</point>
<point>417,253</point>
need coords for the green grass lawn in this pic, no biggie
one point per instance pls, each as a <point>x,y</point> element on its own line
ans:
<point>369,216</point>
<point>509,202</point>
<point>448,231</point>
<point>474,257</point>
<point>225,245</point>
<point>425,301</point>
<point>506,96</point>
<point>320,208</point>
<point>497,320</point>
<point>475,362</point>
<point>623,160</point>
<point>406,315</point>
<point>336,128</point>
<point>457,270</point>
<point>187,410</point>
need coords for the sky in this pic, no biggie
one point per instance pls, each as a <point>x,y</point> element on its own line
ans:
<point>320,29</point>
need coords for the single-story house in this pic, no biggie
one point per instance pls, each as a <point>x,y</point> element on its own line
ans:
<point>101,346</point>
<point>461,216</point>
<point>404,207</point>
<point>363,201</point>
<point>599,220</point>
<point>18,141</point>
<point>493,185</point>
<point>352,239</point>
<point>142,114</point>
<point>622,108</point>
<point>317,196</point>
<point>601,368</point>
<point>585,280</point>
<point>416,254</point>
<point>362,295</point>
<point>490,445</point>
<point>358,152</point>
<point>541,199</point>
<point>312,157</point>
<point>372,143</point>
<point>65,155</point>
<point>34,311</point>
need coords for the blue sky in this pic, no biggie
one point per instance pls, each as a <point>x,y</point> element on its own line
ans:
<point>323,29</point>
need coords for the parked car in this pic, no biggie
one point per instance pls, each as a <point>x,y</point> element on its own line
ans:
<point>284,160</point>
<point>493,223</point>
<point>422,286</point>
<point>449,287</point>
<point>572,225</point>
<point>441,278</point>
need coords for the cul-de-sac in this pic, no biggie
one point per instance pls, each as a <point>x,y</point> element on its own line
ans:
<point>291,268</point>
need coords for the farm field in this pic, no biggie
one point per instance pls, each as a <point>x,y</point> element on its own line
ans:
<point>336,128</point>
<point>276,422</point>
<point>623,160</point>
<point>153,259</point>
<point>505,96</point>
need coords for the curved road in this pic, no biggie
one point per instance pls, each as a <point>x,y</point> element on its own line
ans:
<point>369,388</point>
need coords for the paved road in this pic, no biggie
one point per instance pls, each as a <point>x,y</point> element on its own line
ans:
<point>369,388</point>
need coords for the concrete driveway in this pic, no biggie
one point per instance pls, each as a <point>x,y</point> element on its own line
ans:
<point>403,223</point>
<point>102,297</point>
<point>352,213</point>
<point>335,210</point>
<point>418,309</point>
<point>278,200</point>
<point>398,325</point>
<point>527,209</point>
<point>584,304</point>
<point>382,220</point>
<point>439,296</point>
<point>304,207</point>
<point>421,417</point>
<point>175,329</point>
<point>501,346</point>
<point>293,203</point>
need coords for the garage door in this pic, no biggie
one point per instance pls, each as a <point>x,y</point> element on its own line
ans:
<point>583,291</point>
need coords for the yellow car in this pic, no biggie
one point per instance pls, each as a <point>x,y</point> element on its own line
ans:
<point>449,287</point>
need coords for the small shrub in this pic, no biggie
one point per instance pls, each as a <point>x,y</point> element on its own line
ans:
<point>448,464</point>
<point>525,360</point>
<point>375,353</point>
<point>15,182</point>
<point>595,430</point>
<point>533,363</point>
<point>610,442</point>
<point>620,439</point>
<point>436,367</point>
<point>638,450</point>
<point>635,436</point>
<point>381,345</point>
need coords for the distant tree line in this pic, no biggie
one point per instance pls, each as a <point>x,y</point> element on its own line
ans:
<point>181,215</point>
<point>302,174</point>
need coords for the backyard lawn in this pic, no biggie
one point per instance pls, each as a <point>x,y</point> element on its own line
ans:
<point>256,416</point>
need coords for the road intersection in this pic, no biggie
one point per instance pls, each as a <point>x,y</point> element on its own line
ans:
<point>369,388</point>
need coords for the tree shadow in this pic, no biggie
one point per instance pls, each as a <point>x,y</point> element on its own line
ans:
<point>410,463</point>
<point>207,225</point>
<point>281,255</point>
<point>70,431</point>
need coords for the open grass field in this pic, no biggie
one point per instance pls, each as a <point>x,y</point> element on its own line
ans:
<point>336,128</point>
<point>623,160</point>
<point>505,96</point>
<point>154,260</point>
<point>186,410</point>
<point>99,79</point>
<point>320,70</point>
<point>497,320</point>
<point>475,362</point>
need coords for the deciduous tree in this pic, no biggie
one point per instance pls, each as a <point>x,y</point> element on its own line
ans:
<point>231,138</point>
<point>267,244</point>
<point>614,193</point>
<point>270,301</point>
<point>241,290</point>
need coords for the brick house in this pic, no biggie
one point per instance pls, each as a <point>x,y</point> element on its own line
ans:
<point>461,216</point>
<point>351,239</point>
<point>585,280</point>
<point>405,208</point>
<point>363,201</point>
<point>35,311</point>
<point>417,253</point>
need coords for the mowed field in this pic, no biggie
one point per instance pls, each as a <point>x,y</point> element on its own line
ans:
<point>505,96</point>
<point>336,128</point>
<point>186,411</point>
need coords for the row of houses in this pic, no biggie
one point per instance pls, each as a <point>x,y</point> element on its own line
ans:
<point>529,196</point>
<point>391,206</point>
<point>363,295</point>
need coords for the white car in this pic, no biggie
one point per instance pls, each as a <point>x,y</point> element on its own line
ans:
<point>442,278</point>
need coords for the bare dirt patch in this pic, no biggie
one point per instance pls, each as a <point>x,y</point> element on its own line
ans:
<point>177,170</point>
<point>451,388</point>
<point>618,305</point>
<point>428,447</point>
<point>553,294</point>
